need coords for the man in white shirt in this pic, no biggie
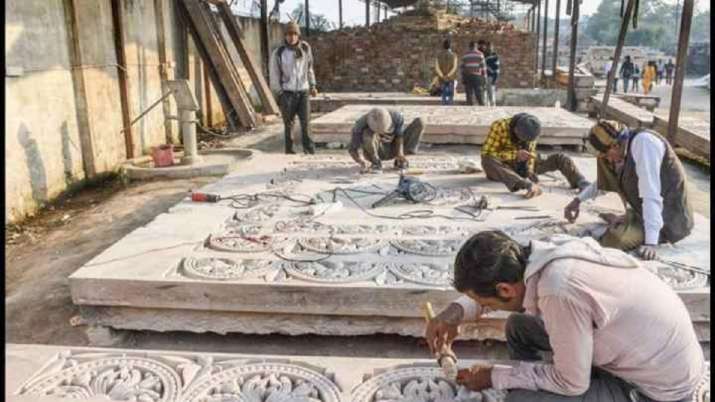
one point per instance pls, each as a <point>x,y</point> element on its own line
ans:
<point>615,330</point>
<point>293,79</point>
<point>643,169</point>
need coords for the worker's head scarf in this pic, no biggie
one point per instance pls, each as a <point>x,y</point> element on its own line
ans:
<point>379,120</point>
<point>607,133</point>
<point>293,27</point>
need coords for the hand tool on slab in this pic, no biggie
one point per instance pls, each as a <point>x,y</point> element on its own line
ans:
<point>445,359</point>
<point>197,196</point>
<point>483,203</point>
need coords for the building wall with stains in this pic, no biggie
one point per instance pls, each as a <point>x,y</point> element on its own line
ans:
<point>68,98</point>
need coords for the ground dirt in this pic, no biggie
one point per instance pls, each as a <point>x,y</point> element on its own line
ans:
<point>42,252</point>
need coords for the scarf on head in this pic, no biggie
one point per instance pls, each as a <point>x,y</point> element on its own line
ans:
<point>296,48</point>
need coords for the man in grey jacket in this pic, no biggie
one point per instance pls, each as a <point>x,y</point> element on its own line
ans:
<point>293,79</point>
<point>617,332</point>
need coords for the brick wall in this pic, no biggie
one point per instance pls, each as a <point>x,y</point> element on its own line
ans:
<point>398,54</point>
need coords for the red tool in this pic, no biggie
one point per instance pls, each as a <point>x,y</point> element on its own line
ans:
<point>204,197</point>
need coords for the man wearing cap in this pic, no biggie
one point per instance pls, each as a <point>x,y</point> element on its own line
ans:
<point>509,156</point>
<point>293,79</point>
<point>382,135</point>
<point>643,169</point>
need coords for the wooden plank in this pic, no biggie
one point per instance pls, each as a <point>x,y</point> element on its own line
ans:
<point>680,66</point>
<point>629,114</point>
<point>215,55</point>
<point>572,104</point>
<point>619,48</point>
<point>264,92</point>
<point>692,135</point>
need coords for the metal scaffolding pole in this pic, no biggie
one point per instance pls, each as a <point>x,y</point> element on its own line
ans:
<point>265,39</point>
<point>538,33</point>
<point>680,66</point>
<point>571,99</point>
<point>307,17</point>
<point>556,39</point>
<point>543,46</point>
<point>367,13</point>
<point>340,14</point>
<point>617,56</point>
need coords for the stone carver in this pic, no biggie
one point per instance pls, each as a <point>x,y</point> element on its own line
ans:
<point>615,330</point>
<point>293,79</point>
<point>509,156</point>
<point>382,135</point>
<point>643,169</point>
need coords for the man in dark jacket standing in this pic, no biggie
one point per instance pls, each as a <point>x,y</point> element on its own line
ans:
<point>626,73</point>
<point>293,79</point>
<point>492,60</point>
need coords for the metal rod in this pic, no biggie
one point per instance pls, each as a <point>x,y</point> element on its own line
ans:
<point>543,46</point>
<point>367,13</point>
<point>572,56</point>
<point>147,110</point>
<point>617,56</point>
<point>556,40</point>
<point>680,66</point>
<point>538,33</point>
<point>340,14</point>
<point>307,17</point>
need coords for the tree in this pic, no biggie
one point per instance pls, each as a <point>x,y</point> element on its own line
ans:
<point>318,22</point>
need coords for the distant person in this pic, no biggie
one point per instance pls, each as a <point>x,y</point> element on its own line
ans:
<point>293,79</point>
<point>381,135</point>
<point>626,72</point>
<point>492,60</point>
<point>474,74</point>
<point>615,78</point>
<point>649,75</point>
<point>446,67</point>
<point>669,69</point>
<point>660,71</point>
<point>636,78</point>
<point>607,67</point>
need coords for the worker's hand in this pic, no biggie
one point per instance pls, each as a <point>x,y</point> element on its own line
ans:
<point>534,191</point>
<point>572,210</point>
<point>442,329</point>
<point>401,162</point>
<point>523,155</point>
<point>364,167</point>
<point>313,91</point>
<point>476,378</point>
<point>612,219</point>
<point>648,252</point>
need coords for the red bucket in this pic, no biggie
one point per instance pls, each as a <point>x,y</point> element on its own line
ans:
<point>163,155</point>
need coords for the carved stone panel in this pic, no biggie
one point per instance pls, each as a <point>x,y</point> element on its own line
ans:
<point>333,272</point>
<point>210,268</point>
<point>418,383</point>
<point>265,382</point>
<point>431,274</point>
<point>117,378</point>
<point>434,248</point>
<point>339,245</point>
<point>257,214</point>
<point>240,244</point>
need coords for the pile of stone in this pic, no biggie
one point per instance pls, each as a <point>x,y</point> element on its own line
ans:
<point>398,54</point>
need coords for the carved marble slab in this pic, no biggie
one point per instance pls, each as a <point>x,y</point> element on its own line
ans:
<point>340,245</point>
<point>218,269</point>
<point>429,247</point>
<point>239,243</point>
<point>430,274</point>
<point>257,214</point>
<point>333,272</point>
<point>418,383</point>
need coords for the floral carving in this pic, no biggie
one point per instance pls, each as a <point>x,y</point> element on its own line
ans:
<point>418,383</point>
<point>240,243</point>
<point>339,245</point>
<point>333,272</point>
<point>223,268</point>
<point>432,274</point>
<point>434,248</point>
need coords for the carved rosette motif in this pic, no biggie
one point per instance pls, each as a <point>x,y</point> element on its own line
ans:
<point>210,268</point>
<point>679,279</point>
<point>119,378</point>
<point>452,196</point>
<point>424,230</point>
<point>339,245</point>
<point>418,384</point>
<point>257,214</point>
<point>265,382</point>
<point>239,244</point>
<point>431,274</point>
<point>428,247</point>
<point>333,272</point>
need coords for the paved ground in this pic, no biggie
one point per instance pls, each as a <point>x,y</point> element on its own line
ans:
<point>42,253</point>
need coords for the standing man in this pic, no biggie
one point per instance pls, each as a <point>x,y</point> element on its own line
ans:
<point>643,169</point>
<point>446,68</point>
<point>381,134</point>
<point>626,73</point>
<point>474,74</point>
<point>492,60</point>
<point>616,332</point>
<point>660,72</point>
<point>293,79</point>
<point>607,67</point>
<point>636,78</point>
<point>669,68</point>
<point>509,156</point>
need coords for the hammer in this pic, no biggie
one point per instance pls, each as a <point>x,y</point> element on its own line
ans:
<point>447,361</point>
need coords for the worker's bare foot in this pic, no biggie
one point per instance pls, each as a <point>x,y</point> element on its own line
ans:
<point>534,191</point>
<point>612,219</point>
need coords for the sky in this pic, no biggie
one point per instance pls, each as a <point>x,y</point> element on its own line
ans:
<point>354,10</point>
